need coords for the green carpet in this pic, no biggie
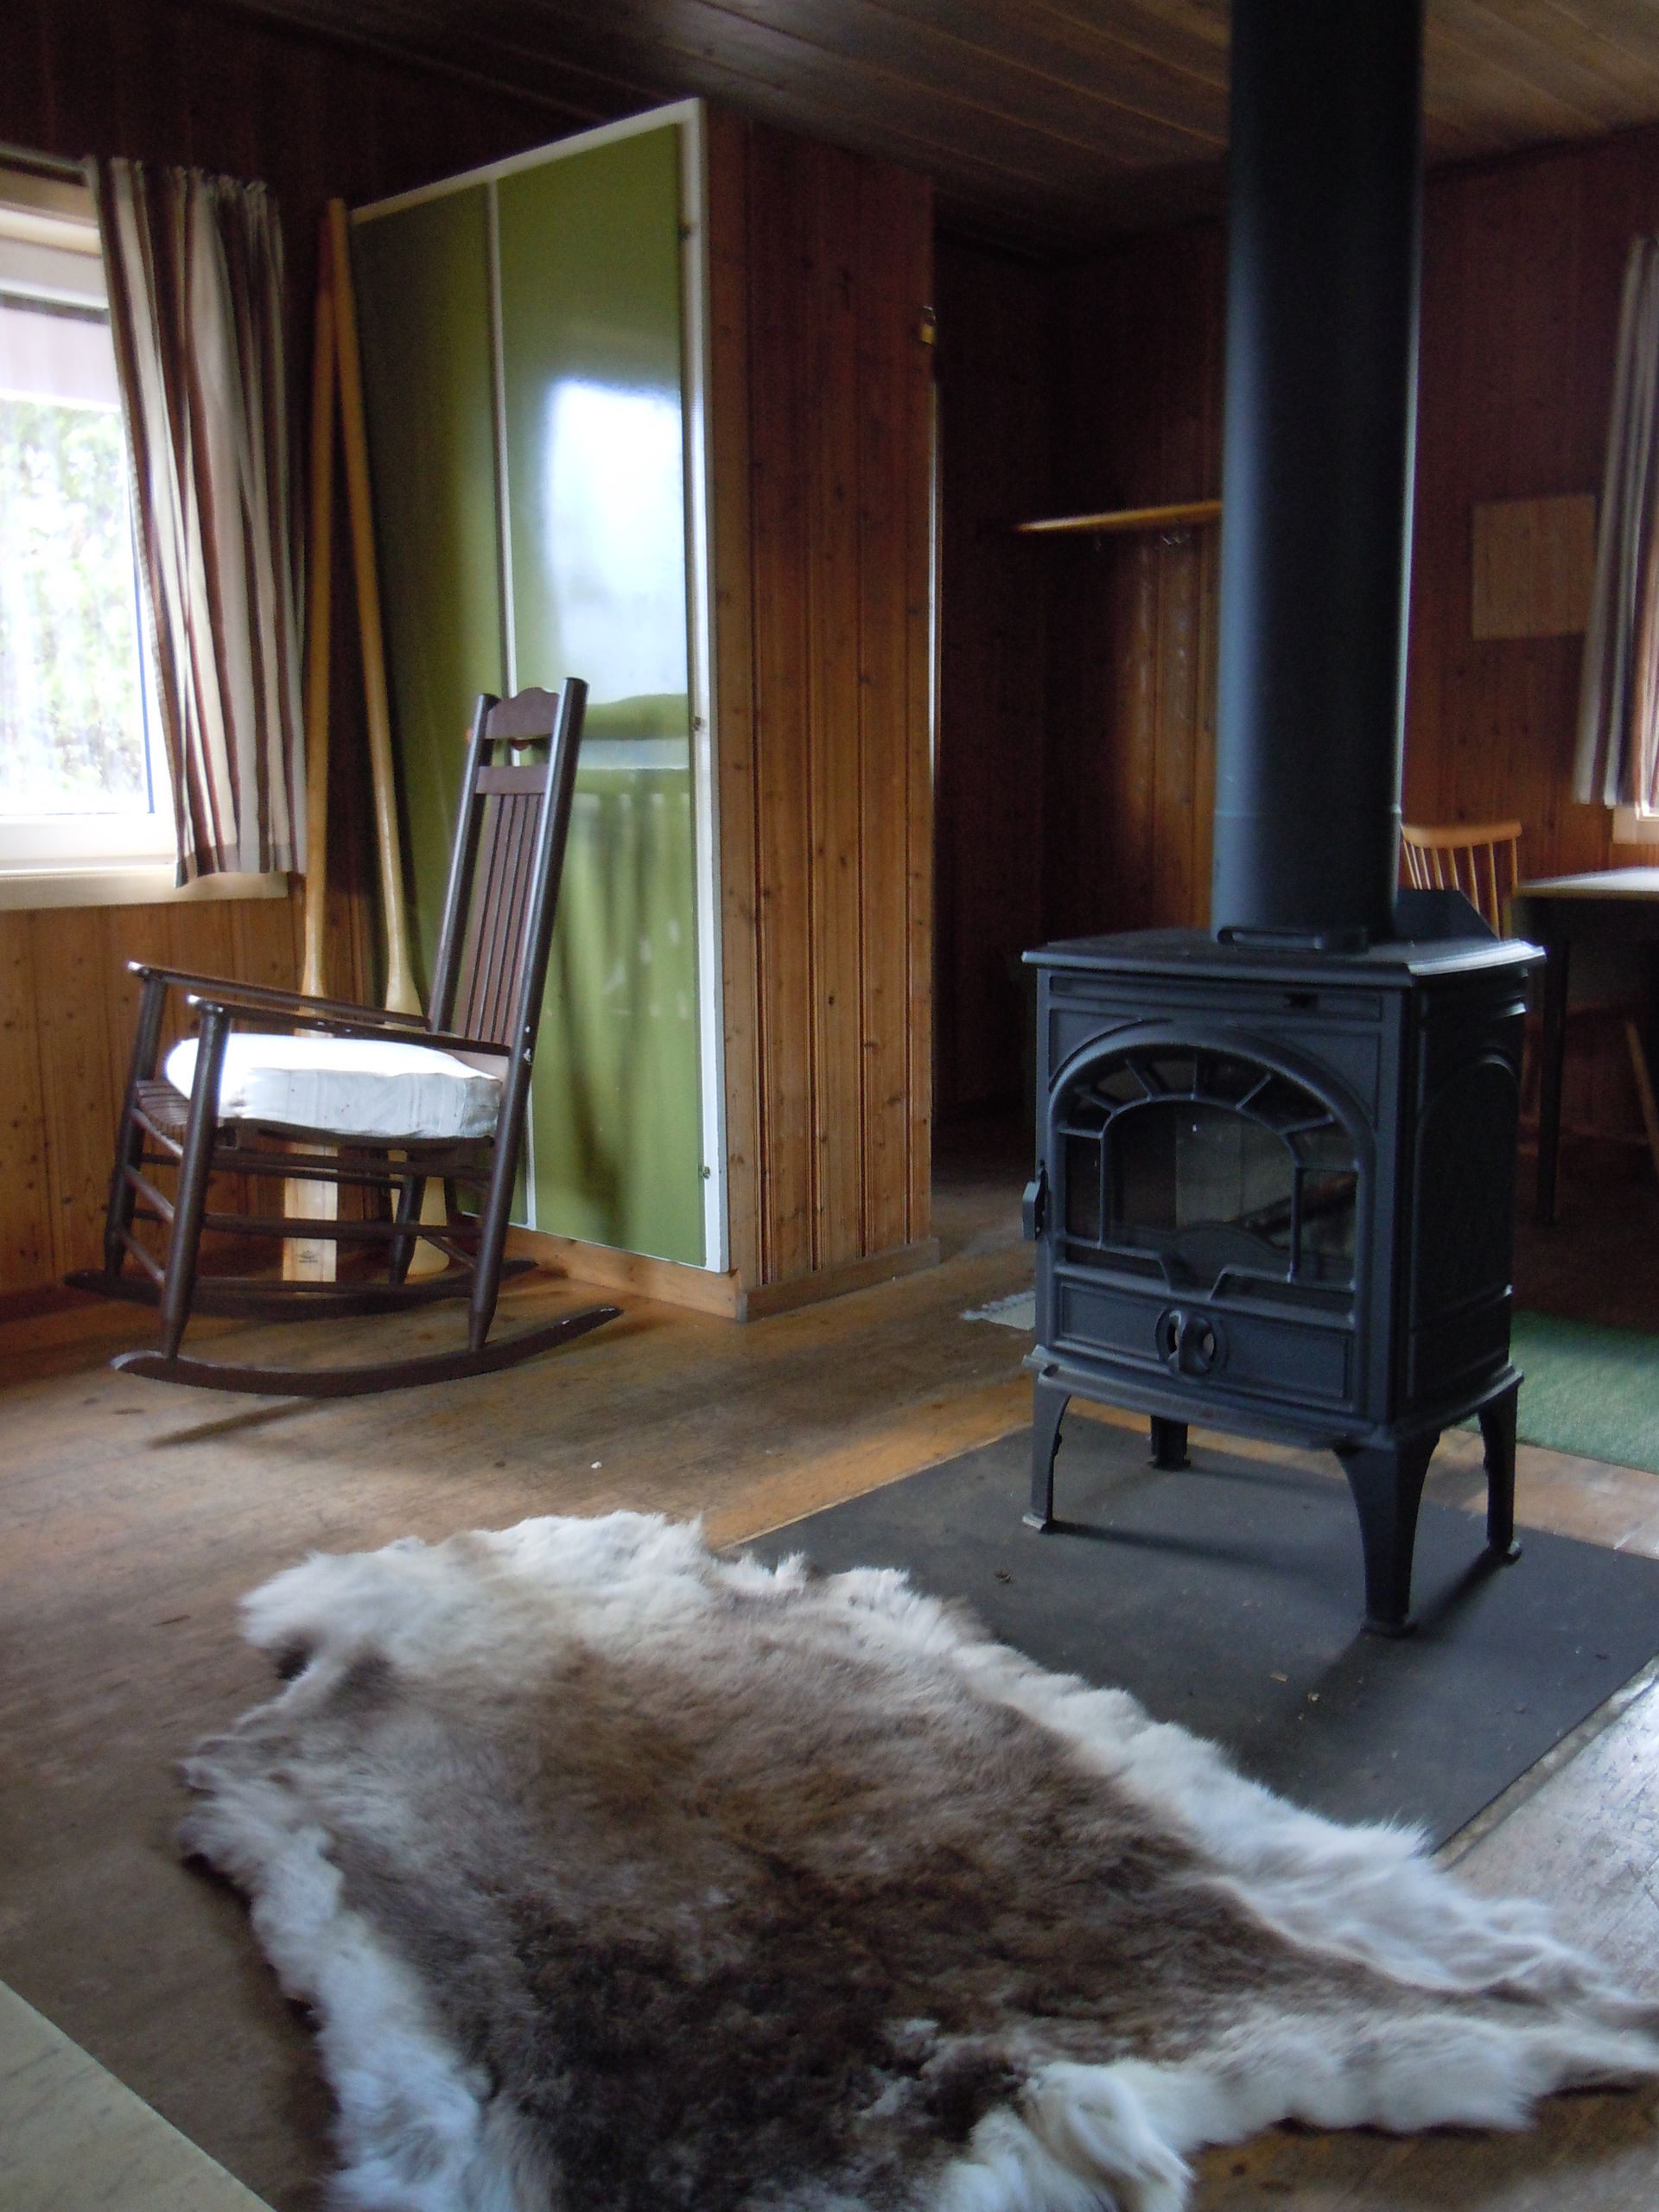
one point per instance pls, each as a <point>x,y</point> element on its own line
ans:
<point>1591,1392</point>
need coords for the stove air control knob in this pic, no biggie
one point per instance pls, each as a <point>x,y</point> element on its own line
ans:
<point>1190,1344</point>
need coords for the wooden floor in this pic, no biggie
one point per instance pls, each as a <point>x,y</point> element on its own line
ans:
<point>132,1517</point>
<point>72,2138</point>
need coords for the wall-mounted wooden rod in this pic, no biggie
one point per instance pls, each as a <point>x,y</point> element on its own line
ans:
<point>402,997</point>
<point>53,165</point>
<point>1116,519</point>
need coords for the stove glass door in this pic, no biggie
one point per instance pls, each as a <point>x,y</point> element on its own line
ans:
<point>1202,1167</point>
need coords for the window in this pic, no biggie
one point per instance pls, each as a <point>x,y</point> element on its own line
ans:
<point>85,804</point>
<point>83,783</point>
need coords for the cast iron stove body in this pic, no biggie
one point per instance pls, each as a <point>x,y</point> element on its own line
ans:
<point>1275,1192</point>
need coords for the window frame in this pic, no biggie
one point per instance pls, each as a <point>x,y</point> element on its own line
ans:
<point>1634,825</point>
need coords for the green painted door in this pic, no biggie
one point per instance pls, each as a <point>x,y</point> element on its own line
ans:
<point>422,280</point>
<point>590,315</point>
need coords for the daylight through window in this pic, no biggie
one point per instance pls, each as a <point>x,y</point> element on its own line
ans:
<point>80,783</point>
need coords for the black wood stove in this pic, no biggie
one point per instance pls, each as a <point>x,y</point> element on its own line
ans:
<point>1275,1194</point>
<point>1275,1171</point>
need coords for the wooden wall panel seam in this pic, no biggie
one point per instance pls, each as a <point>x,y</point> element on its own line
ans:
<point>885,342</point>
<point>834,719</point>
<point>776,250</point>
<point>25,1241</point>
<point>920,664</point>
<point>734,672</point>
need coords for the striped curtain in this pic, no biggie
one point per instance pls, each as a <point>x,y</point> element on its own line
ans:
<point>1616,762</point>
<point>195,267</point>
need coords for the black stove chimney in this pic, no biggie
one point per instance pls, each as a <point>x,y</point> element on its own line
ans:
<point>1324,228</point>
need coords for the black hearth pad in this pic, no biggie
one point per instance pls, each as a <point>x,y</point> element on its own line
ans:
<point>1227,1597</point>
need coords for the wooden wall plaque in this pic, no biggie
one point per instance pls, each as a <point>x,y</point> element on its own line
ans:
<point>1535,561</point>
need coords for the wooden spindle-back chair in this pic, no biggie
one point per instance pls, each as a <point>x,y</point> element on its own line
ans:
<point>1480,859</point>
<point>247,1097</point>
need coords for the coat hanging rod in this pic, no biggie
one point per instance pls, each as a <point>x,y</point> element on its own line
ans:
<point>1124,518</point>
<point>54,165</point>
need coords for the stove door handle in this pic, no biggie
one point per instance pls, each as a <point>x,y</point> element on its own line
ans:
<point>1033,1206</point>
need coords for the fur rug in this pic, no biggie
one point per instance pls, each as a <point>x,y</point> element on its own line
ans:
<point>621,1877</point>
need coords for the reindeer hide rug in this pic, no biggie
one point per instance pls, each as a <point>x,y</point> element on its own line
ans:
<point>623,1878</point>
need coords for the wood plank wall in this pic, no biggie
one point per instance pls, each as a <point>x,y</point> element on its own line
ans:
<point>166,81</point>
<point>1076,734</point>
<point>67,1009</point>
<point>1131,703</point>
<point>823,266</point>
<point>994,445</point>
<point>1523,265</point>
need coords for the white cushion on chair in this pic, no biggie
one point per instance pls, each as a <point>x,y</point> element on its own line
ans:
<point>350,1086</point>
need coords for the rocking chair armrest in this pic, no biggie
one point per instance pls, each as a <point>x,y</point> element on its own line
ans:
<point>218,989</point>
<point>351,1021</point>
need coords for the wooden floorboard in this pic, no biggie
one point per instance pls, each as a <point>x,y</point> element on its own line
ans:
<point>132,1517</point>
<point>1588,1841</point>
<point>72,2138</point>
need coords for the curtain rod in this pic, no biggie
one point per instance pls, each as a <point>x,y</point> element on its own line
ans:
<point>25,158</point>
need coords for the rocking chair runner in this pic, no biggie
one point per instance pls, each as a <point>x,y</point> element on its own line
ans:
<point>394,1101</point>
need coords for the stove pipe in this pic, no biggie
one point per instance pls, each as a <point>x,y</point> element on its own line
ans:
<point>1322,279</point>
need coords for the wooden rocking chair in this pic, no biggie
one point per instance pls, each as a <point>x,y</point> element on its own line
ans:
<point>275,1087</point>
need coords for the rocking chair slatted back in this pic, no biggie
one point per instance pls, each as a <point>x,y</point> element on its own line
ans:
<point>496,937</point>
<point>496,910</point>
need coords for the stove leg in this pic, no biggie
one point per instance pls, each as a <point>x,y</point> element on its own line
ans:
<point>1169,1443</point>
<point>1498,1434</point>
<point>1049,1402</point>
<point>1387,1481</point>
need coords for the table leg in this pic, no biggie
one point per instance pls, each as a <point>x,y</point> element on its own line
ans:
<point>1549,1076</point>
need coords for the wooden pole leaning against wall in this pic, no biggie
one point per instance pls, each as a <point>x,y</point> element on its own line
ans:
<point>320,584</point>
<point>312,1259</point>
<point>402,997</point>
<point>401,994</point>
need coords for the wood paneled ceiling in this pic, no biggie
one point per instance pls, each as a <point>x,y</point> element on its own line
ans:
<point>1052,122</point>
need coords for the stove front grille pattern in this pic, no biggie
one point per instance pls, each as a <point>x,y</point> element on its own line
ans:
<point>1209,1171</point>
